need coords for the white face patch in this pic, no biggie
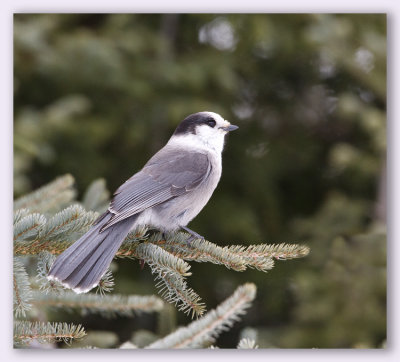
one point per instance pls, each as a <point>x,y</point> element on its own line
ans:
<point>213,137</point>
<point>206,137</point>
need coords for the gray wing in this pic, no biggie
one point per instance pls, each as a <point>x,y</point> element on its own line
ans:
<point>170,173</point>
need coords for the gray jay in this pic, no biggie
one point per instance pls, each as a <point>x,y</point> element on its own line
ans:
<point>167,193</point>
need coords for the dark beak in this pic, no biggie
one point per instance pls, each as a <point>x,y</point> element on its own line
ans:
<point>230,128</point>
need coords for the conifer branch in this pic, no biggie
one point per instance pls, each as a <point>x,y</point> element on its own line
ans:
<point>236,257</point>
<point>128,345</point>
<point>131,242</point>
<point>105,305</point>
<point>73,218</point>
<point>25,332</point>
<point>44,263</point>
<point>21,289</point>
<point>36,247</point>
<point>199,250</point>
<point>207,328</point>
<point>165,257</point>
<point>46,260</point>
<point>246,343</point>
<point>34,234</point>
<point>170,272</point>
<point>278,251</point>
<point>49,197</point>
<point>96,197</point>
<point>161,261</point>
<point>28,227</point>
<point>19,214</point>
<point>106,283</point>
<point>173,289</point>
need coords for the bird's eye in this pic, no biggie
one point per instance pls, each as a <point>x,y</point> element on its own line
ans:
<point>211,123</point>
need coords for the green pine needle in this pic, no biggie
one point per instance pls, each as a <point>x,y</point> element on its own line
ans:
<point>22,289</point>
<point>73,218</point>
<point>28,227</point>
<point>52,196</point>
<point>106,305</point>
<point>246,343</point>
<point>167,257</point>
<point>206,329</point>
<point>25,332</point>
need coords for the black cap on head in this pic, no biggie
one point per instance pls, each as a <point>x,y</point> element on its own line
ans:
<point>188,125</point>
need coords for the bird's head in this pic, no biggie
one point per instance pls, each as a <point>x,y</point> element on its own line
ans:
<point>203,130</point>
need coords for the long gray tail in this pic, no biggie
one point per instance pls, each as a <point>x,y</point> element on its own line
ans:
<point>82,265</point>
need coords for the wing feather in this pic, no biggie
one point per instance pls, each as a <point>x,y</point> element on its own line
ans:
<point>169,174</point>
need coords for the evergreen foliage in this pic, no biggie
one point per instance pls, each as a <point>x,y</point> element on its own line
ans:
<point>34,233</point>
<point>96,197</point>
<point>246,343</point>
<point>204,331</point>
<point>43,237</point>
<point>25,332</point>
<point>45,261</point>
<point>128,345</point>
<point>108,306</point>
<point>54,195</point>
<point>22,289</point>
<point>28,227</point>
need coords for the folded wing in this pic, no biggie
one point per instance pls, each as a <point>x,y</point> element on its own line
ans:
<point>168,174</point>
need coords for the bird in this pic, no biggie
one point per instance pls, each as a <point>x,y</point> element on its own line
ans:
<point>166,194</point>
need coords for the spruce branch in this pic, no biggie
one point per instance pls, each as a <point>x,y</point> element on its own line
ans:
<point>170,272</point>
<point>281,251</point>
<point>161,261</point>
<point>128,345</point>
<point>246,343</point>
<point>198,250</point>
<point>236,257</point>
<point>96,196</point>
<point>106,305</point>
<point>21,289</point>
<point>37,246</point>
<point>131,242</point>
<point>44,263</point>
<point>174,289</point>
<point>19,214</point>
<point>207,328</point>
<point>49,197</point>
<point>73,218</point>
<point>25,332</point>
<point>46,260</point>
<point>106,283</point>
<point>166,256</point>
<point>28,227</point>
<point>34,234</point>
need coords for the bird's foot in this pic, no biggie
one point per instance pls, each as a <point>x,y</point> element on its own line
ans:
<point>194,235</point>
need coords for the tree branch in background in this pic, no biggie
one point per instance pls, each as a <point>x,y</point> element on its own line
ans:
<point>206,329</point>
<point>26,332</point>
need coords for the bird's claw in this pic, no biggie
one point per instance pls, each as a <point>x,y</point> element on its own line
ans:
<point>193,235</point>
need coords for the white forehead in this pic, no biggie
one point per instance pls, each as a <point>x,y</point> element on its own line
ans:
<point>216,116</point>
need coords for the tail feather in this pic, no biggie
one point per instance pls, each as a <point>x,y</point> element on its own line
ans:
<point>74,255</point>
<point>82,265</point>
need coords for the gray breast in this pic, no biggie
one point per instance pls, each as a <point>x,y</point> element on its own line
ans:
<point>182,209</point>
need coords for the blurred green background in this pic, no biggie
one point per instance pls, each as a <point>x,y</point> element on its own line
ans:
<point>96,95</point>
